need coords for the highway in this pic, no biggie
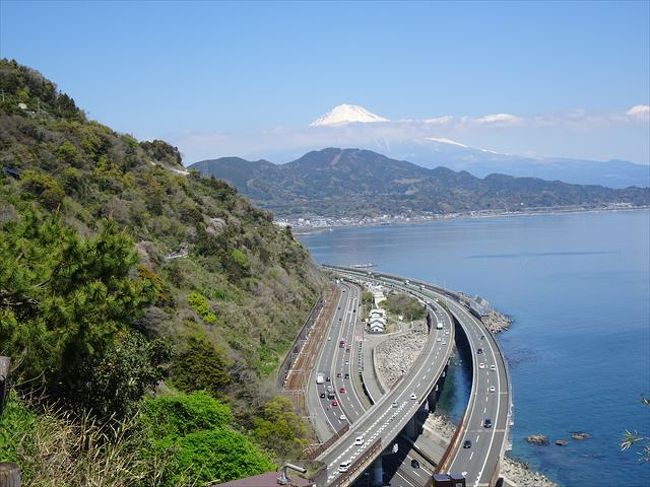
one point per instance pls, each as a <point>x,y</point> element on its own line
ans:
<point>477,451</point>
<point>385,420</point>
<point>340,365</point>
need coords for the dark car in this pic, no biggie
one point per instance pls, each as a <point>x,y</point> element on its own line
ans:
<point>347,376</point>
<point>487,423</point>
<point>467,444</point>
<point>480,350</point>
<point>322,395</point>
<point>342,390</point>
<point>415,463</point>
<point>338,375</point>
<point>328,379</point>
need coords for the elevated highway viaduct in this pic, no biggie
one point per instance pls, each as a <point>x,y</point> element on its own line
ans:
<point>483,436</point>
<point>380,424</point>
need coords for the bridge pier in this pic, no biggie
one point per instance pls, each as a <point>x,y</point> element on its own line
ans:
<point>411,428</point>
<point>378,472</point>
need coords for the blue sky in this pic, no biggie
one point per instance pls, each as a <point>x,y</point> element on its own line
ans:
<point>219,78</point>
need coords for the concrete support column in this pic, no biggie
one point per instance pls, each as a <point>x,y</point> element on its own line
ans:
<point>378,472</point>
<point>411,429</point>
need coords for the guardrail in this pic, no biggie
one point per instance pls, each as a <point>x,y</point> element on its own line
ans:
<point>311,452</point>
<point>359,464</point>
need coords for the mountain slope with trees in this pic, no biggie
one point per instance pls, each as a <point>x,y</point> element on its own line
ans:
<point>357,183</point>
<point>122,274</point>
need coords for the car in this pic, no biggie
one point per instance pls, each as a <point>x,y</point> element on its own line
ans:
<point>359,441</point>
<point>438,339</point>
<point>322,395</point>
<point>446,332</point>
<point>340,318</point>
<point>481,365</point>
<point>347,362</point>
<point>342,417</point>
<point>395,404</point>
<point>415,463</point>
<point>347,349</point>
<point>493,367</point>
<point>338,375</point>
<point>328,379</point>
<point>444,342</point>
<point>479,351</point>
<point>344,466</point>
<point>467,444</point>
<point>482,337</point>
<point>492,389</point>
<point>487,423</point>
<point>347,376</point>
<point>342,390</point>
<point>413,396</point>
<point>329,339</point>
<point>354,310</point>
<point>334,403</point>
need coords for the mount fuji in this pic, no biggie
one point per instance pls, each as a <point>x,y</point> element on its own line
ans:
<point>354,126</point>
<point>345,114</point>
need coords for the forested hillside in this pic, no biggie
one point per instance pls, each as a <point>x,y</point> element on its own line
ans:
<point>360,183</point>
<point>128,284</point>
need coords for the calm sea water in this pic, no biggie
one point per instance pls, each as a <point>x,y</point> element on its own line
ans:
<point>578,288</point>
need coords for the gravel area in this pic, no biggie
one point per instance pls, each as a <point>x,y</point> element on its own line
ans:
<point>397,354</point>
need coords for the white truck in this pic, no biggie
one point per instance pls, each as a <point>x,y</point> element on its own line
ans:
<point>320,378</point>
<point>439,325</point>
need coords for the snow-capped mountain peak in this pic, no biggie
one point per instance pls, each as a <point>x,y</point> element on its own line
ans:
<point>344,114</point>
<point>445,140</point>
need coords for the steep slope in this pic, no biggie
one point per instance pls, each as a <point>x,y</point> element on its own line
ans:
<point>355,182</point>
<point>232,287</point>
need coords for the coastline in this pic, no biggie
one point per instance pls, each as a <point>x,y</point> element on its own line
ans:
<point>302,226</point>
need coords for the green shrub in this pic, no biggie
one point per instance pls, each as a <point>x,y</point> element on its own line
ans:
<point>199,365</point>
<point>219,455</point>
<point>181,414</point>
<point>201,306</point>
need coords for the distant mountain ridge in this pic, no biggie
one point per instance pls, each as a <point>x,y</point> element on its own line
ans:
<point>355,182</point>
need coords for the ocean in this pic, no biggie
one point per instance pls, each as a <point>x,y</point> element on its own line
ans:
<point>578,288</point>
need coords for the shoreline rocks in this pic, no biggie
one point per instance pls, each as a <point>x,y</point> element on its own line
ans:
<point>580,435</point>
<point>496,322</point>
<point>541,440</point>
<point>561,442</point>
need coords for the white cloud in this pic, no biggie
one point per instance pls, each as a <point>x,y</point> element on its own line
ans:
<point>496,119</point>
<point>639,112</point>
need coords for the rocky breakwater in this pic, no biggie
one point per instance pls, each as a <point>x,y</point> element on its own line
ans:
<point>396,355</point>
<point>496,322</point>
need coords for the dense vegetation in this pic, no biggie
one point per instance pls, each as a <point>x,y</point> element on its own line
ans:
<point>360,183</point>
<point>404,305</point>
<point>122,274</point>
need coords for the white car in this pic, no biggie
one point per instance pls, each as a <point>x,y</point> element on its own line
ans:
<point>395,404</point>
<point>481,365</point>
<point>359,441</point>
<point>345,466</point>
<point>329,339</point>
<point>413,396</point>
<point>438,339</point>
<point>493,367</point>
<point>444,342</point>
<point>342,417</point>
<point>492,389</point>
